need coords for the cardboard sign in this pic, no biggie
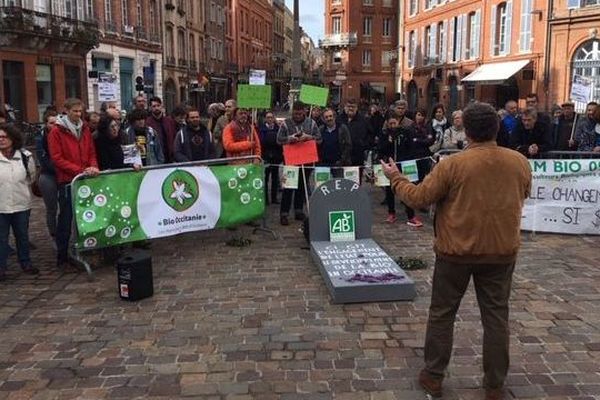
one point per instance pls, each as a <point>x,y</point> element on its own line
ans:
<point>410,170</point>
<point>300,153</point>
<point>352,173</point>
<point>257,77</point>
<point>289,179</point>
<point>314,95</point>
<point>254,96</point>
<point>380,178</point>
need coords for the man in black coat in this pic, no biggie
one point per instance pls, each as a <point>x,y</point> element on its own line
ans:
<point>531,137</point>
<point>363,138</point>
<point>193,142</point>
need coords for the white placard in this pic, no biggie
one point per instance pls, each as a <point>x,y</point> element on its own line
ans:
<point>257,77</point>
<point>565,197</point>
<point>581,89</point>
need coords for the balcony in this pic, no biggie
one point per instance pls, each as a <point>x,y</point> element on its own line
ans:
<point>155,37</point>
<point>347,39</point>
<point>140,33</point>
<point>182,62</point>
<point>31,29</point>
<point>170,60</point>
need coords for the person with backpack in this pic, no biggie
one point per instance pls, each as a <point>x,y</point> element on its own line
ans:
<point>17,168</point>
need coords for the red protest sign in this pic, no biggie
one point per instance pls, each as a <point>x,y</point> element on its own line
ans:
<point>300,153</point>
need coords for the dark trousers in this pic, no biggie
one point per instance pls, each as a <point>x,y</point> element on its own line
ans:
<point>492,287</point>
<point>297,194</point>
<point>65,220</point>
<point>390,200</point>
<point>19,222</point>
<point>272,171</point>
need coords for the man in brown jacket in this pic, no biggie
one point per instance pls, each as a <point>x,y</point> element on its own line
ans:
<point>479,194</point>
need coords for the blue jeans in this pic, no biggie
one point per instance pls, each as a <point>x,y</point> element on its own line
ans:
<point>19,221</point>
<point>63,225</point>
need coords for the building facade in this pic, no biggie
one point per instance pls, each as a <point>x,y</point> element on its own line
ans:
<point>288,42</point>
<point>252,37</point>
<point>183,41</point>
<point>130,48</point>
<point>360,45</point>
<point>574,38</point>
<point>215,50</point>
<point>455,52</point>
<point>43,54</point>
<point>280,78</point>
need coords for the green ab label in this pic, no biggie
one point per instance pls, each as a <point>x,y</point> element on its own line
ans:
<point>341,226</point>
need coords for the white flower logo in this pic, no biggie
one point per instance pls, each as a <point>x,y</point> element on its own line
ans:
<point>179,192</point>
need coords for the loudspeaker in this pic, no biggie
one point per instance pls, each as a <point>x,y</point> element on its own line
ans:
<point>134,272</point>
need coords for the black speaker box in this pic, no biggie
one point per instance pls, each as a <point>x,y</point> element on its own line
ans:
<point>134,272</point>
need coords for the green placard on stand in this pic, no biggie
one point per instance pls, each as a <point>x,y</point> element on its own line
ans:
<point>314,95</point>
<point>254,96</point>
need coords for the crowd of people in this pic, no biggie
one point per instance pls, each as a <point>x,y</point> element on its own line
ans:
<point>74,142</point>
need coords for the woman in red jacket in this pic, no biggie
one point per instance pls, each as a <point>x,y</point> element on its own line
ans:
<point>239,137</point>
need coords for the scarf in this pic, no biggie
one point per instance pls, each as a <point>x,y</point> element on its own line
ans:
<point>65,122</point>
<point>438,126</point>
<point>241,133</point>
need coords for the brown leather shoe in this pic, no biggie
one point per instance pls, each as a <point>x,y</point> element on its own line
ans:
<point>494,394</point>
<point>431,385</point>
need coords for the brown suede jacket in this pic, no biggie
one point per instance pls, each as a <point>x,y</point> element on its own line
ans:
<point>479,194</point>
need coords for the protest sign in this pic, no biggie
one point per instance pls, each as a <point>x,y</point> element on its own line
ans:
<point>565,197</point>
<point>117,208</point>
<point>314,95</point>
<point>290,177</point>
<point>581,89</point>
<point>380,178</point>
<point>254,96</point>
<point>107,87</point>
<point>410,170</point>
<point>131,154</point>
<point>322,175</point>
<point>257,77</point>
<point>300,153</point>
<point>352,173</point>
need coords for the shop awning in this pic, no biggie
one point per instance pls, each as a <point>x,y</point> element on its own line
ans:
<point>495,73</point>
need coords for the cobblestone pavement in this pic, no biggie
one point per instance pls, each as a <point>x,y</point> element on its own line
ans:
<point>257,323</point>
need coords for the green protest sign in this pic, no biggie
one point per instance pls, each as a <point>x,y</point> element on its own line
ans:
<point>314,95</point>
<point>124,207</point>
<point>254,96</point>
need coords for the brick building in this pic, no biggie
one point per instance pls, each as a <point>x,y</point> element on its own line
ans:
<point>130,47</point>
<point>252,34</point>
<point>215,49</point>
<point>457,51</point>
<point>42,55</point>
<point>280,77</point>
<point>183,38</point>
<point>360,47</point>
<point>574,38</point>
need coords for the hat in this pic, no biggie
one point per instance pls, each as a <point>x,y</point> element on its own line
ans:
<point>568,104</point>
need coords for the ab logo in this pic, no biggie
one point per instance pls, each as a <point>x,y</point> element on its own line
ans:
<point>180,190</point>
<point>341,226</point>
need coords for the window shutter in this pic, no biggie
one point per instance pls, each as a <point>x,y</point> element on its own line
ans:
<point>465,40</point>
<point>415,47</point>
<point>433,43</point>
<point>477,43</point>
<point>423,45</point>
<point>459,40</point>
<point>493,33</point>
<point>450,36</point>
<point>508,34</point>
<point>444,43</point>
<point>409,50</point>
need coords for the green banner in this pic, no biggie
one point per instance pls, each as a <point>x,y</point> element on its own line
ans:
<point>314,95</point>
<point>112,209</point>
<point>254,96</point>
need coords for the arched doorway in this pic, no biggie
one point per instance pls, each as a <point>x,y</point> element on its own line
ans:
<point>413,96</point>
<point>509,90</point>
<point>170,95</point>
<point>453,93</point>
<point>433,94</point>
<point>586,63</point>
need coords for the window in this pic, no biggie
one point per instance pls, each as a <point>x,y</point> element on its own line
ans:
<point>441,41</point>
<point>386,58</point>
<point>125,12</point>
<point>412,48</point>
<point>336,24</point>
<point>219,16</point>
<point>367,26</point>
<point>430,4</point>
<point>107,12</point>
<point>367,2</point>
<point>428,40</point>
<point>387,27</point>
<point>44,87</point>
<point>473,34</point>
<point>456,28</point>
<point>525,36</point>
<point>169,43</point>
<point>153,14</point>
<point>366,58</point>
<point>582,3</point>
<point>336,2</point>
<point>181,44</point>
<point>138,9</point>
<point>72,82</point>
<point>213,13</point>
<point>413,7</point>
<point>192,48</point>
<point>336,57</point>
<point>89,12</point>
<point>501,28</point>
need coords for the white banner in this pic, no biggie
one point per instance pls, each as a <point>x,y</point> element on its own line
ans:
<point>565,197</point>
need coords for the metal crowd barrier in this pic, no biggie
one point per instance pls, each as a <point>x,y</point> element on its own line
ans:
<point>570,154</point>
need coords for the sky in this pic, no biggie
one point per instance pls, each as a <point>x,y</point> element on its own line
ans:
<point>311,17</point>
